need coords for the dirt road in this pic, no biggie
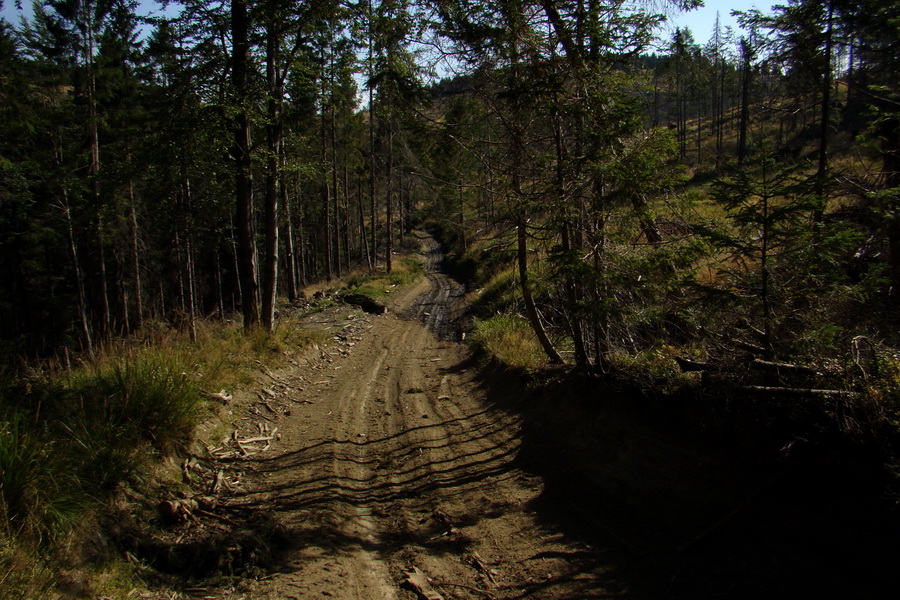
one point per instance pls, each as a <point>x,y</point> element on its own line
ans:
<point>391,460</point>
<point>397,454</point>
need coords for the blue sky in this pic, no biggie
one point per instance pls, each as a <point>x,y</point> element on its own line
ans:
<point>700,21</point>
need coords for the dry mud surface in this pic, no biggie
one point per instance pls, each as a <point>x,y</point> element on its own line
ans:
<point>398,454</point>
<point>391,460</point>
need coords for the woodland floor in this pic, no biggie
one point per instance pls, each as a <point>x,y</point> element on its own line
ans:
<point>398,451</point>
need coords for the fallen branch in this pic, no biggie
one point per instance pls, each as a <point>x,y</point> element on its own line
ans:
<point>482,566</point>
<point>767,365</point>
<point>749,347</point>
<point>419,582</point>
<point>687,365</point>
<point>213,515</point>
<point>797,392</point>
<point>216,486</point>
<point>237,442</point>
<point>258,439</point>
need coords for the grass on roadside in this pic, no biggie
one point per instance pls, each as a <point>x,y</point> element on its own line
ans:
<point>510,339</point>
<point>69,436</point>
<point>379,284</point>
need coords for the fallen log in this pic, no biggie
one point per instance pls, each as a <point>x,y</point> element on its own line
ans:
<point>752,348</point>
<point>797,392</point>
<point>768,365</point>
<point>686,365</point>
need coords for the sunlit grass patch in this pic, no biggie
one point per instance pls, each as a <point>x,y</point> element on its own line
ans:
<point>380,284</point>
<point>500,294</point>
<point>508,338</point>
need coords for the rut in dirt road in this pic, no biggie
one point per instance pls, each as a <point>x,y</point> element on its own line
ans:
<point>393,460</point>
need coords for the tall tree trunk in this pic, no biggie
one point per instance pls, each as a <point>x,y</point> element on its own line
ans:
<point>246,256</point>
<point>746,74</point>
<point>220,293</point>
<point>338,254</point>
<point>273,143</point>
<point>373,253</point>
<point>135,262</point>
<point>345,218</point>
<point>189,260</point>
<point>326,190</point>
<point>79,278</point>
<point>889,132</point>
<point>525,287</point>
<point>300,246</point>
<point>290,268</point>
<point>363,235</point>
<point>191,287</point>
<point>822,171</point>
<point>389,199</point>
<point>105,313</point>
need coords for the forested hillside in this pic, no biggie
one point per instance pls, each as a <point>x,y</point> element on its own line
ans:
<point>639,206</point>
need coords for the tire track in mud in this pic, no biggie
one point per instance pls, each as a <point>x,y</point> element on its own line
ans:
<point>393,460</point>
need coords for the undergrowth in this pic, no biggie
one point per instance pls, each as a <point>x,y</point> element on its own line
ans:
<point>510,339</point>
<point>70,435</point>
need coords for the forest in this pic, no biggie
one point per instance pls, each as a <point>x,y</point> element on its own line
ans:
<point>625,202</point>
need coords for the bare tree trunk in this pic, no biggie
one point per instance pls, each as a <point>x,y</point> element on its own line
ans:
<point>822,171</point>
<point>373,254</point>
<point>79,278</point>
<point>389,225</point>
<point>345,219</point>
<point>338,255</point>
<point>530,308</point>
<point>236,295</point>
<point>135,262</point>
<point>105,313</point>
<point>363,235</point>
<point>273,143</point>
<point>300,246</point>
<point>889,132</point>
<point>326,190</point>
<point>179,272</point>
<point>746,74</point>
<point>189,261</point>
<point>220,293</point>
<point>191,288</point>
<point>243,167</point>
<point>290,268</point>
